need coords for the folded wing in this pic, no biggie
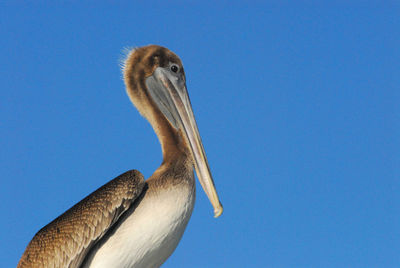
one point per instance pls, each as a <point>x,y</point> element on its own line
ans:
<point>66,241</point>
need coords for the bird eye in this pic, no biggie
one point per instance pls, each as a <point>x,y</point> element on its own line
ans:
<point>174,68</point>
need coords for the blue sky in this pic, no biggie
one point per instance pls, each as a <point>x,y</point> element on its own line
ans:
<point>297,106</point>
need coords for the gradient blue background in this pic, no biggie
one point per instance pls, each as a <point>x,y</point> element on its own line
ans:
<point>297,104</point>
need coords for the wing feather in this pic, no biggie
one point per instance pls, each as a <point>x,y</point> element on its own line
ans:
<point>65,241</point>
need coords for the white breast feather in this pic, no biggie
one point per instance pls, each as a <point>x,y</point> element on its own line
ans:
<point>150,234</point>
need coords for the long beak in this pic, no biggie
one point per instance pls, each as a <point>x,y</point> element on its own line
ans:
<point>170,95</point>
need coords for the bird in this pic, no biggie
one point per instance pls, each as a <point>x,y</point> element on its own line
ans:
<point>130,221</point>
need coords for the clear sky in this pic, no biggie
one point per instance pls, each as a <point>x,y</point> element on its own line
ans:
<point>297,105</point>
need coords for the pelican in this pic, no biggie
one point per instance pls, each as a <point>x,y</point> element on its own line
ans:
<point>130,222</point>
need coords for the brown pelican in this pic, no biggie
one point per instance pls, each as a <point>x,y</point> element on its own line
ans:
<point>130,222</point>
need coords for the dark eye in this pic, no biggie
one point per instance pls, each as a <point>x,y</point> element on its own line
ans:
<point>174,68</point>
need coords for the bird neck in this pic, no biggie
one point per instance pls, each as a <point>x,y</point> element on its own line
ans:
<point>173,144</point>
<point>176,155</point>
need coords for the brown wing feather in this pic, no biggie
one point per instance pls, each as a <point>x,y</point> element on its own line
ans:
<point>65,241</point>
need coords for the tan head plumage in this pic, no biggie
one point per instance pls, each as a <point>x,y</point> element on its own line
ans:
<point>139,65</point>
